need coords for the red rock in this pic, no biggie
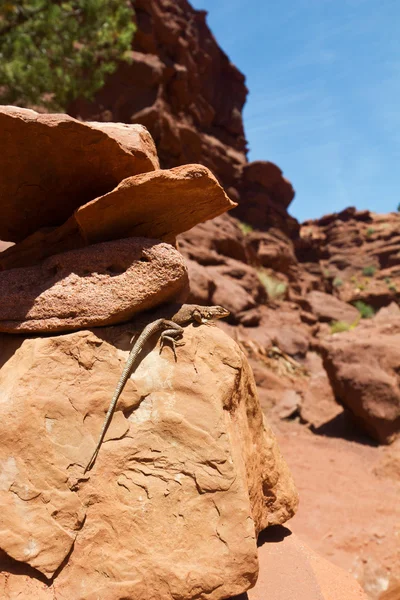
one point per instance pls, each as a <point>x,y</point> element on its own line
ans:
<point>264,197</point>
<point>98,285</point>
<point>359,255</point>
<point>318,406</point>
<point>157,205</point>
<point>387,313</point>
<point>288,405</point>
<point>185,90</point>
<point>187,475</point>
<point>268,176</point>
<point>54,163</point>
<point>182,87</point>
<point>329,308</point>
<point>202,285</point>
<point>221,236</point>
<point>363,369</point>
<point>274,250</point>
<point>237,287</point>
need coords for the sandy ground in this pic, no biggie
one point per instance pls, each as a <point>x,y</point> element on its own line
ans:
<point>349,499</point>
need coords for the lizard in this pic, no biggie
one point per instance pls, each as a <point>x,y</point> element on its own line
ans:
<point>172,331</point>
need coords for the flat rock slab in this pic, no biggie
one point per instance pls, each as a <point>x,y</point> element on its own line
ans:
<point>51,164</point>
<point>159,204</point>
<point>186,477</point>
<point>98,285</point>
<point>328,308</point>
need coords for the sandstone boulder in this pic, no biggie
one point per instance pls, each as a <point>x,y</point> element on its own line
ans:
<point>98,285</point>
<point>329,308</point>
<point>269,176</point>
<point>159,205</point>
<point>187,476</point>
<point>51,164</point>
<point>318,406</point>
<point>363,367</point>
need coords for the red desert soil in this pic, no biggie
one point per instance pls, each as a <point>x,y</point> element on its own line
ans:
<point>349,501</point>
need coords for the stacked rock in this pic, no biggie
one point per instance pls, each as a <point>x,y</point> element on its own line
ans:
<point>189,473</point>
<point>76,190</point>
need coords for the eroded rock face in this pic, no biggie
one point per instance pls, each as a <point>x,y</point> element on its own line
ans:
<point>53,163</point>
<point>98,285</point>
<point>363,367</point>
<point>264,197</point>
<point>185,478</point>
<point>158,205</point>
<point>182,87</point>
<point>359,255</point>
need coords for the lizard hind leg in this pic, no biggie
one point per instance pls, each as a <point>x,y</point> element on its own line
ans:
<point>173,336</point>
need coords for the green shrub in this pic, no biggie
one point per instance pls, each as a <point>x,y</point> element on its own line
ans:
<point>366,310</point>
<point>275,288</point>
<point>370,231</point>
<point>391,286</point>
<point>54,52</point>
<point>340,326</point>
<point>245,227</point>
<point>369,271</point>
<point>337,282</point>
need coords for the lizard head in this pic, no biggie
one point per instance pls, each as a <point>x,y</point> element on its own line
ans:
<point>212,313</point>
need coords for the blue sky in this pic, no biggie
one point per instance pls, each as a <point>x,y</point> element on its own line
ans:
<point>324,101</point>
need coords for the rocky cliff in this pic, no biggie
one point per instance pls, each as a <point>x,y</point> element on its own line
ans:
<point>184,89</point>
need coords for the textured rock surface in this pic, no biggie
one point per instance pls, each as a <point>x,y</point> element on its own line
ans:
<point>328,308</point>
<point>98,285</point>
<point>264,197</point>
<point>318,405</point>
<point>185,478</point>
<point>158,205</point>
<point>290,570</point>
<point>51,164</point>
<point>359,255</point>
<point>363,367</point>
